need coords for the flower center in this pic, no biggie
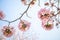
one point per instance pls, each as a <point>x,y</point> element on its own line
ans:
<point>8,31</point>
<point>46,14</point>
<point>24,26</point>
<point>48,25</point>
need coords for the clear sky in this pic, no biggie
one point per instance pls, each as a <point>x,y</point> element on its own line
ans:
<point>14,8</point>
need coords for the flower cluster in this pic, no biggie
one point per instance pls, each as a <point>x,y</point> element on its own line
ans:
<point>45,14</point>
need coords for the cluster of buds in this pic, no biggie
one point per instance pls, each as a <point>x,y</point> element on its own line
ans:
<point>25,2</point>
<point>49,15</point>
<point>49,3</point>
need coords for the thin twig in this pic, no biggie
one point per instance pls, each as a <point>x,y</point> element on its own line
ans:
<point>38,2</point>
<point>21,15</point>
<point>5,20</point>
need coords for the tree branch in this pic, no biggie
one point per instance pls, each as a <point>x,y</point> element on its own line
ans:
<point>21,15</point>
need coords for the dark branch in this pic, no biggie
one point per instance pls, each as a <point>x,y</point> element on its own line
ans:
<point>5,21</point>
<point>21,15</point>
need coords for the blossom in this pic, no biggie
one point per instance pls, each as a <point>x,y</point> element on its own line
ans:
<point>24,2</point>
<point>47,24</point>
<point>8,31</point>
<point>33,2</point>
<point>24,25</point>
<point>1,15</point>
<point>44,13</point>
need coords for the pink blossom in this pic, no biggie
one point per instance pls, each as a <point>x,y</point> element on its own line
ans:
<point>24,25</point>
<point>24,2</point>
<point>8,31</point>
<point>47,24</point>
<point>44,13</point>
<point>1,15</point>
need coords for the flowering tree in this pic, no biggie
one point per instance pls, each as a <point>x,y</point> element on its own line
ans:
<point>47,16</point>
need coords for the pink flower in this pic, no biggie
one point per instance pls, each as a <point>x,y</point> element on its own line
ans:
<point>1,15</point>
<point>44,14</point>
<point>24,25</point>
<point>32,2</point>
<point>24,2</point>
<point>47,25</point>
<point>8,31</point>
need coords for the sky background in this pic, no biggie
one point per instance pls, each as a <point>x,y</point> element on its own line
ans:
<point>13,10</point>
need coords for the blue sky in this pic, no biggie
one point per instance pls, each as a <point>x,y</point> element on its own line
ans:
<point>14,8</point>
